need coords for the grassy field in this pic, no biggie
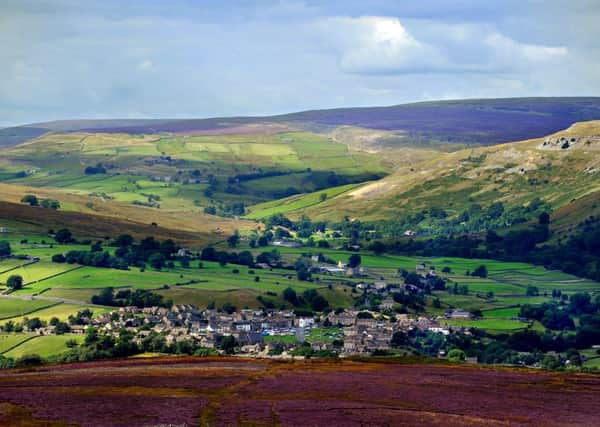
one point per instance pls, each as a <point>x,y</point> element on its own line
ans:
<point>61,311</point>
<point>11,307</point>
<point>498,296</point>
<point>44,346</point>
<point>502,313</point>
<point>489,324</point>
<point>34,273</point>
<point>8,341</point>
<point>295,203</point>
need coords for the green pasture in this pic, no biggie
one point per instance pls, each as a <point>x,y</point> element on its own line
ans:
<point>294,203</point>
<point>44,346</point>
<point>11,307</point>
<point>11,263</point>
<point>37,271</point>
<point>8,341</point>
<point>61,311</point>
<point>488,324</point>
<point>324,334</point>
<point>500,313</point>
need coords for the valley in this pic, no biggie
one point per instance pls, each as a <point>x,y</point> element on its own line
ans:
<point>271,216</point>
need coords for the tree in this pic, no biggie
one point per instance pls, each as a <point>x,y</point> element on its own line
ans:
<point>4,248</point>
<point>456,355</point>
<point>123,241</point>
<point>157,261</point>
<point>185,262</point>
<point>15,282</point>
<point>302,267</point>
<point>354,260</point>
<point>290,296</point>
<point>229,308</point>
<point>93,170</point>
<point>544,218</point>
<point>480,271</point>
<point>30,199</point>
<point>227,344</point>
<point>59,258</point>
<point>378,247</point>
<point>63,236</point>
<point>234,239</point>
<point>319,303</point>
<point>106,297</point>
<point>50,204</point>
<point>399,339</point>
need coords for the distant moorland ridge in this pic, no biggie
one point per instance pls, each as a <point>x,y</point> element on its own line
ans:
<point>477,121</point>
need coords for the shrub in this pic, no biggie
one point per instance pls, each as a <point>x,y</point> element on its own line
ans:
<point>457,355</point>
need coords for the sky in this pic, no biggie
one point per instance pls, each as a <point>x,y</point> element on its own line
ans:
<point>190,59</point>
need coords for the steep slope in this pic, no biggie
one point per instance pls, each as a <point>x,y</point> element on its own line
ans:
<point>558,170</point>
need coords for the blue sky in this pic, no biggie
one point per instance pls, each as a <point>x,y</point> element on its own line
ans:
<point>156,59</point>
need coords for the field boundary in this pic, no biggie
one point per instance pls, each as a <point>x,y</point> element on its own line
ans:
<point>20,266</point>
<point>54,275</point>
<point>33,311</point>
<point>22,342</point>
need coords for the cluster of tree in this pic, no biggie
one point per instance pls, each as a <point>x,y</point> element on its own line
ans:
<point>33,323</point>
<point>306,350</point>
<point>97,346</point>
<point>578,255</point>
<point>126,298</point>
<point>474,219</point>
<point>95,170</point>
<point>223,257</point>
<point>310,298</point>
<point>525,347</point>
<point>227,210</point>
<point>304,227</point>
<point>560,315</point>
<point>32,200</point>
<point>128,253</point>
<point>5,249</point>
<point>63,235</point>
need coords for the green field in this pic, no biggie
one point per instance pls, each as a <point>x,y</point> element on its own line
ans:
<point>502,313</point>
<point>44,346</point>
<point>8,341</point>
<point>62,311</point>
<point>16,307</point>
<point>294,203</point>
<point>489,324</point>
<point>499,295</point>
<point>326,335</point>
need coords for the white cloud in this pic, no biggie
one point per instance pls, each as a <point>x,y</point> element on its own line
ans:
<point>377,45</point>
<point>385,45</point>
<point>510,50</point>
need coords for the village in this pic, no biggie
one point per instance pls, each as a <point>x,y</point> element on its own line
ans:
<point>256,332</point>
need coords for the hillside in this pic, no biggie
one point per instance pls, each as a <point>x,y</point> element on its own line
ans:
<point>559,170</point>
<point>232,391</point>
<point>161,179</point>
<point>480,121</point>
